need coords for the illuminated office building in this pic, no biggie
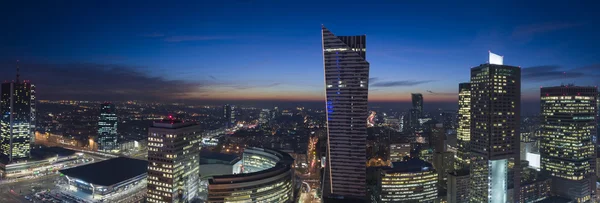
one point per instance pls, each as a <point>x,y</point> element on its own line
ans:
<point>399,150</point>
<point>495,122</point>
<point>229,115</point>
<point>458,186</point>
<point>107,127</point>
<point>417,103</point>
<point>410,181</point>
<point>173,161</point>
<point>567,150</point>
<point>464,126</point>
<point>346,86</point>
<point>17,122</point>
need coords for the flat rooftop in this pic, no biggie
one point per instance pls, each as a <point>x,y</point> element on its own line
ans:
<point>412,165</point>
<point>108,172</point>
<point>208,157</point>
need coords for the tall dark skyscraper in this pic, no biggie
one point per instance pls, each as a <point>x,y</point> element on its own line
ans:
<point>495,122</point>
<point>346,86</point>
<point>417,102</point>
<point>229,115</point>
<point>107,127</point>
<point>17,123</point>
<point>567,149</point>
<point>463,131</point>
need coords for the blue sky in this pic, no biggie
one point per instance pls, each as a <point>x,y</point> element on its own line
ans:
<point>271,50</point>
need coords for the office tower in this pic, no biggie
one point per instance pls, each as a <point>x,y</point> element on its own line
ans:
<point>463,132</point>
<point>413,120</point>
<point>346,83</point>
<point>409,181</point>
<point>534,186</point>
<point>229,115</point>
<point>264,116</point>
<point>495,122</point>
<point>17,124</point>
<point>417,102</point>
<point>458,186</point>
<point>107,127</point>
<point>173,161</point>
<point>567,150</point>
<point>399,150</point>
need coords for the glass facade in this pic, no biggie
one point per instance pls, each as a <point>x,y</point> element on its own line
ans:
<point>464,126</point>
<point>567,131</point>
<point>107,127</point>
<point>17,122</point>
<point>418,185</point>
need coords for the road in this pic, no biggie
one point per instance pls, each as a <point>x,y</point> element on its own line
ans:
<point>24,187</point>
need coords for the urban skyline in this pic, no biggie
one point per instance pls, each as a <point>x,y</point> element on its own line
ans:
<point>175,49</point>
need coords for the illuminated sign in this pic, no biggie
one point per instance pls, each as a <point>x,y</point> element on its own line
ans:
<point>496,59</point>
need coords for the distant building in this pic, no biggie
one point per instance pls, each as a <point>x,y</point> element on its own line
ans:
<point>464,126</point>
<point>264,116</point>
<point>410,181</point>
<point>443,162</point>
<point>399,150</point>
<point>458,186</point>
<point>534,187</point>
<point>495,130</point>
<point>17,121</point>
<point>229,115</point>
<point>173,161</point>
<point>567,151</point>
<point>417,103</point>
<point>347,88</point>
<point>107,128</point>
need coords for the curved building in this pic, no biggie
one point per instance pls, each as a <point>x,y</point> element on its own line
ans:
<point>267,176</point>
<point>411,181</point>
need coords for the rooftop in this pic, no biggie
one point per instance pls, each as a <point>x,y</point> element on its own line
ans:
<point>208,157</point>
<point>412,165</point>
<point>108,172</point>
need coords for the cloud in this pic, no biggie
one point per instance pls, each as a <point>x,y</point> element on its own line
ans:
<point>548,73</point>
<point>400,83</point>
<point>102,82</point>
<point>212,77</point>
<point>245,87</point>
<point>530,30</point>
<point>442,93</point>
<point>154,34</point>
<point>194,38</point>
<point>373,80</point>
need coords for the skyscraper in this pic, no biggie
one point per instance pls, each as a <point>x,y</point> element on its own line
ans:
<point>17,123</point>
<point>567,149</point>
<point>495,122</point>
<point>107,127</point>
<point>229,115</point>
<point>173,161</point>
<point>463,132</point>
<point>417,102</point>
<point>346,86</point>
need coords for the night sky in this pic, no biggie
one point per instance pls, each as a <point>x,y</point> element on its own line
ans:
<point>271,50</point>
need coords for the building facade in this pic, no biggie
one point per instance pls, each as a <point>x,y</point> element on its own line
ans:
<point>411,181</point>
<point>346,87</point>
<point>399,150</point>
<point>567,149</point>
<point>229,115</point>
<point>417,103</point>
<point>495,122</point>
<point>458,186</point>
<point>17,121</point>
<point>107,127</point>
<point>463,131</point>
<point>173,161</point>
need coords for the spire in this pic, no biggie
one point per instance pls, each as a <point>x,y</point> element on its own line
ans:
<point>17,72</point>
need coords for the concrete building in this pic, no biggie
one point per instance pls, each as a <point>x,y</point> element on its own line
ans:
<point>495,130</point>
<point>173,161</point>
<point>458,186</point>
<point>346,86</point>
<point>567,149</point>
<point>107,128</point>
<point>229,115</point>
<point>399,150</point>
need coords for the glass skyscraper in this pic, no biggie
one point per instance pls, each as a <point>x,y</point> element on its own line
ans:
<point>107,127</point>
<point>567,130</point>
<point>495,121</point>
<point>464,126</point>
<point>346,86</point>
<point>17,122</point>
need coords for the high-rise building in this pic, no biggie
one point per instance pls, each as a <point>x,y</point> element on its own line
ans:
<point>458,186</point>
<point>417,102</point>
<point>107,127</point>
<point>173,161</point>
<point>567,150</point>
<point>463,132</point>
<point>409,181</point>
<point>346,85</point>
<point>399,150</point>
<point>229,115</point>
<point>17,124</point>
<point>495,122</point>
<point>264,116</point>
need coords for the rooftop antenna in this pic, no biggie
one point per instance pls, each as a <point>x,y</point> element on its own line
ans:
<point>17,71</point>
